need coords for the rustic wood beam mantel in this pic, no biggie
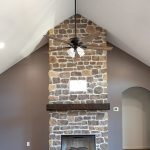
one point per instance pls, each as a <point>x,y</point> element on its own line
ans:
<point>65,107</point>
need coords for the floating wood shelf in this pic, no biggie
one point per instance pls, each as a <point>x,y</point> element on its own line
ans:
<point>65,107</point>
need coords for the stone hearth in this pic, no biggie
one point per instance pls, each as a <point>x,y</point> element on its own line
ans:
<point>92,68</point>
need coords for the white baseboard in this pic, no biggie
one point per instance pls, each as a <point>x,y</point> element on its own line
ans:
<point>137,148</point>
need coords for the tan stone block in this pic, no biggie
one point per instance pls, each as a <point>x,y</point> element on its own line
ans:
<point>86,58</point>
<point>71,118</point>
<point>105,90</point>
<point>52,73</point>
<point>102,58</point>
<point>50,42</point>
<point>55,31</point>
<point>51,87</point>
<point>65,25</point>
<point>63,122</point>
<point>90,29</point>
<point>104,53</point>
<point>76,73</point>
<point>82,112</point>
<point>52,59</point>
<point>51,31</point>
<point>53,98</point>
<point>105,76</point>
<point>77,59</point>
<point>95,58</point>
<point>99,29</point>
<point>72,113</point>
<point>103,71</point>
<point>104,65</point>
<point>86,72</point>
<point>90,52</point>
<point>66,21</point>
<point>50,142</point>
<point>98,128</point>
<point>104,83</point>
<point>98,90</point>
<point>50,128</point>
<point>62,31</point>
<point>65,75</point>
<point>52,122</point>
<point>56,43</point>
<point>91,128</point>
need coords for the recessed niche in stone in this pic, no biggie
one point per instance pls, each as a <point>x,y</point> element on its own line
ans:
<point>78,142</point>
<point>78,86</point>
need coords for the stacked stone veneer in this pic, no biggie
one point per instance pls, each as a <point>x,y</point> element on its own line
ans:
<point>92,67</point>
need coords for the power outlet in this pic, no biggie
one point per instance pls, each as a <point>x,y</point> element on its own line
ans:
<point>115,108</point>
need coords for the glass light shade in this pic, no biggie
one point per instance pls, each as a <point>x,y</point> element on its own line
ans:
<point>71,52</point>
<point>80,51</point>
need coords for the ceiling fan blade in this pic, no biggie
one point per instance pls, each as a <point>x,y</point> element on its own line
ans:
<point>90,37</point>
<point>58,48</point>
<point>59,40</point>
<point>106,48</point>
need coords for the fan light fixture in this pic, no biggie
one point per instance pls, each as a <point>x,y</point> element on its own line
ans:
<point>72,52</point>
<point>76,46</point>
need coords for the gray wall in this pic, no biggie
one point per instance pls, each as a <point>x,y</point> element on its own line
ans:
<point>123,72</point>
<point>135,118</point>
<point>23,99</point>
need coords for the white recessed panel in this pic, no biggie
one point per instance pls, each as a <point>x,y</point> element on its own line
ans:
<point>78,85</point>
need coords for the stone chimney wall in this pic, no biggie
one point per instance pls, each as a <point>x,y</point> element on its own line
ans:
<point>92,68</point>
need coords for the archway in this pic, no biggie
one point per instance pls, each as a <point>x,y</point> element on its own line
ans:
<point>135,118</point>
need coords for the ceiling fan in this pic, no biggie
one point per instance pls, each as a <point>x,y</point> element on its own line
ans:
<point>76,46</point>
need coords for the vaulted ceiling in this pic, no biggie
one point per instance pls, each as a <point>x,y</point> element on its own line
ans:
<point>23,24</point>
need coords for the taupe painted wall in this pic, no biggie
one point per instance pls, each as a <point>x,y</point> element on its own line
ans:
<point>24,94</point>
<point>123,72</point>
<point>23,99</point>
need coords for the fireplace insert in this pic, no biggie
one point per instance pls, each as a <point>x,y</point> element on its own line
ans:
<point>78,142</point>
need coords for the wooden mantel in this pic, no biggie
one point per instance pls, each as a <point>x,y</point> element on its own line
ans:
<point>65,107</point>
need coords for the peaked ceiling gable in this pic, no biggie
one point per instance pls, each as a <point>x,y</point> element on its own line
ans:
<point>23,24</point>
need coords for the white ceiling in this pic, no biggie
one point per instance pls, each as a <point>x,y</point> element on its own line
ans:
<point>23,24</point>
<point>127,23</point>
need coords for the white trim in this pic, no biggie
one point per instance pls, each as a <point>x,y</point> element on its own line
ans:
<point>137,147</point>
